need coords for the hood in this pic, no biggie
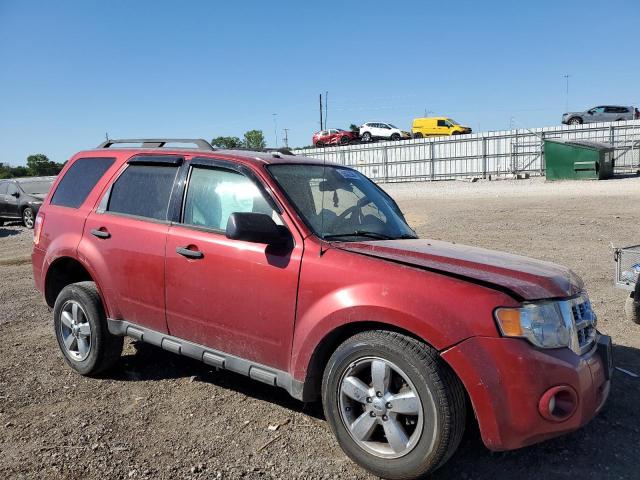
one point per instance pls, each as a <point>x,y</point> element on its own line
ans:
<point>522,277</point>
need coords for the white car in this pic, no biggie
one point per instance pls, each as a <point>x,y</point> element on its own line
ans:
<point>384,131</point>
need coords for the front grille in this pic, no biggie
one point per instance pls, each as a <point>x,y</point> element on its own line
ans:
<point>585,321</point>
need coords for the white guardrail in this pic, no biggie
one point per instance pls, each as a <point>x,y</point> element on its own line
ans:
<point>481,155</point>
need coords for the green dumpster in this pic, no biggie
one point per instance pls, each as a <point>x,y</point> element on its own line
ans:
<point>578,160</point>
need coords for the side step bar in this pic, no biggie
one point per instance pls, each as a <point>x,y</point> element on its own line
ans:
<point>209,356</point>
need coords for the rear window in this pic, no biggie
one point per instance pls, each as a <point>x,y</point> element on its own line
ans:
<point>143,191</point>
<point>79,180</point>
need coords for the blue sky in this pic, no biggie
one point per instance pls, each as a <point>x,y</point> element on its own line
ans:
<point>71,71</point>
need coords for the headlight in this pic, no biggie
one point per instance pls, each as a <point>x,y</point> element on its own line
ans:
<point>544,324</point>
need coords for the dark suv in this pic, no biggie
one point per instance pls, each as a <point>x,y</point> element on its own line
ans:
<point>20,198</point>
<point>306,276</point>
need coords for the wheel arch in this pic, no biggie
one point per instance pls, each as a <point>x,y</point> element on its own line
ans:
<point>64,271</point>
<point>312,382</point>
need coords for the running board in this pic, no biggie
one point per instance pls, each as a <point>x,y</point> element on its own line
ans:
<point>215,358</point>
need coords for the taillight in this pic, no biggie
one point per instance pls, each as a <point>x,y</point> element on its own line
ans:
<point>37,228</point>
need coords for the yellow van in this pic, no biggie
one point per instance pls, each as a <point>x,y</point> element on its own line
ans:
<point>430,126</point>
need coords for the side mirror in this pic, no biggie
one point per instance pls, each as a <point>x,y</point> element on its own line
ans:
<point>256,228</point>
<point>15,194</point>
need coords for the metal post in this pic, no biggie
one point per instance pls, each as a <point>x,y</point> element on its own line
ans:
<point>385,164</point>
<point>542,153</point>
<point>433,163</point>
<point>611,135</point>
<point>484,156</point>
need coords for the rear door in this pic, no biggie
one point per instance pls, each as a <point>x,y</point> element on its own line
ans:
<point>126,237</point>
<point>234,296</point>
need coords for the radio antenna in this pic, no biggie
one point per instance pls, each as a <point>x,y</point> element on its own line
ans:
<point>324,186</point>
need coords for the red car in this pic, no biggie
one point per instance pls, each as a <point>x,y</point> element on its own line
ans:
<point>306,276</point>
<point>334,136</point>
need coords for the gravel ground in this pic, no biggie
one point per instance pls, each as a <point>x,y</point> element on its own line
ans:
<point>161,416</point>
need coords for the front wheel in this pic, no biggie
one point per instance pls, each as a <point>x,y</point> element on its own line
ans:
<point>632,308</point>
<point>395,137</point>
<point>28,217</point>
<point>394,406</point>
<point>417,135</point>
<point>319,144</point>
<point>575,121</point>
<point>81,330</point>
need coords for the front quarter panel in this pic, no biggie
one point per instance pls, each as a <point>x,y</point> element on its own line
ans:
<point>339,288</point>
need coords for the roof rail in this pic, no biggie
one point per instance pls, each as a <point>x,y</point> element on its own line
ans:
<point>158,142</point>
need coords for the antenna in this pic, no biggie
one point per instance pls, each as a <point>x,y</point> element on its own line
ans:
<point>286,137</point>
<point>275,127</point>
<point>321,127</point>
<point>566,77</point>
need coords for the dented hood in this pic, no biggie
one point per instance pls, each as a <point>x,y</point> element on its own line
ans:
<point>522,277</point>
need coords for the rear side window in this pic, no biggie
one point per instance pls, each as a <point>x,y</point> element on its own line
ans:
<point>79,180</point>
<point>143,191</point>
<point>3,187</point>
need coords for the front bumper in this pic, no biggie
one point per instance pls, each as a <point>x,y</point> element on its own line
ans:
<point>506,379</point>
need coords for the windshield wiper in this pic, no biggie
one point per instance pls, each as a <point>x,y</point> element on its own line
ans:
<point>365,233</point>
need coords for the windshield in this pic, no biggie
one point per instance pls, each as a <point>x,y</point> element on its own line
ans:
<point>452,121</point>
<point>341,204</point>
<point>39,186</point>
<point>392,126</point>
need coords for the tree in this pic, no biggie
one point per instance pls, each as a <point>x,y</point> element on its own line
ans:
<point>40,165</point>
<point>354,128</point>
<point>227,142</point>
<point>254,140</point>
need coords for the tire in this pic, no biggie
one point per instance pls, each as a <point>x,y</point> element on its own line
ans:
<point>101,349</point>
<point>395,137</point>
<point>344,140</point>
<point>456,133</point>
<point>1,222</point>
<point>417,135</point>
<point>319,144</point>
<point>28,217</point>
<point>366,137</point>
<point>632,309</point>
<point>438,400</point>
<point>575,121</point>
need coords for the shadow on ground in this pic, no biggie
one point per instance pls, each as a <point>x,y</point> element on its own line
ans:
<point>472,460</point>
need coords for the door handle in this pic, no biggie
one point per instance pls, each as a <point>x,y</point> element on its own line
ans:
<point>185,252</point>
<point>100,233</point>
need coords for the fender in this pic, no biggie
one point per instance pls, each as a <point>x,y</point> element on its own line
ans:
<point>333,293</point>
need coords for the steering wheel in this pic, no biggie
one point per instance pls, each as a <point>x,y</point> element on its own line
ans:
<point>354,213</point>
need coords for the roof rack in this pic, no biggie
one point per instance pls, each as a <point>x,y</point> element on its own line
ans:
<point>158,142</point>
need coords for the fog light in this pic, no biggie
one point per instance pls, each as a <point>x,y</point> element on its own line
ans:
<point>558,403</point>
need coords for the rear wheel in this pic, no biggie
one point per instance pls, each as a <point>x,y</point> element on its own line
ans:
<point>395,407</point>
<point>28,217</point>
<point>417,135</point>
<point>81,330</point>
<point>575,121</point>
<point>344,140</point>
<point>366,136</point>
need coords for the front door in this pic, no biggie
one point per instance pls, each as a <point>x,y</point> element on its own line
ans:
<point>126,239</point>
<point>11,201</point>
<point>233,296</point>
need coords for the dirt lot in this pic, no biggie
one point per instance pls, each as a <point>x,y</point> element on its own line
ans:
<point>163,416</point>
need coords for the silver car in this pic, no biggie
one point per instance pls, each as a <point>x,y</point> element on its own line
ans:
<point>603,113</point>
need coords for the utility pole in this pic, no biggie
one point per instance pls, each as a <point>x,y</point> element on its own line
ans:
<point>566,106</point>
<point>275,127</point>
<point>326,108</point>
<point>286,137</point>
<point>321,126</point>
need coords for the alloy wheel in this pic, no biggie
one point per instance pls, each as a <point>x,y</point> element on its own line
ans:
<point>75,330</point>
<point>380,407</point>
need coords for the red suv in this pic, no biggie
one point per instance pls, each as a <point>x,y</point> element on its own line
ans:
<point>306,276</point>
<point>333,136</point>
